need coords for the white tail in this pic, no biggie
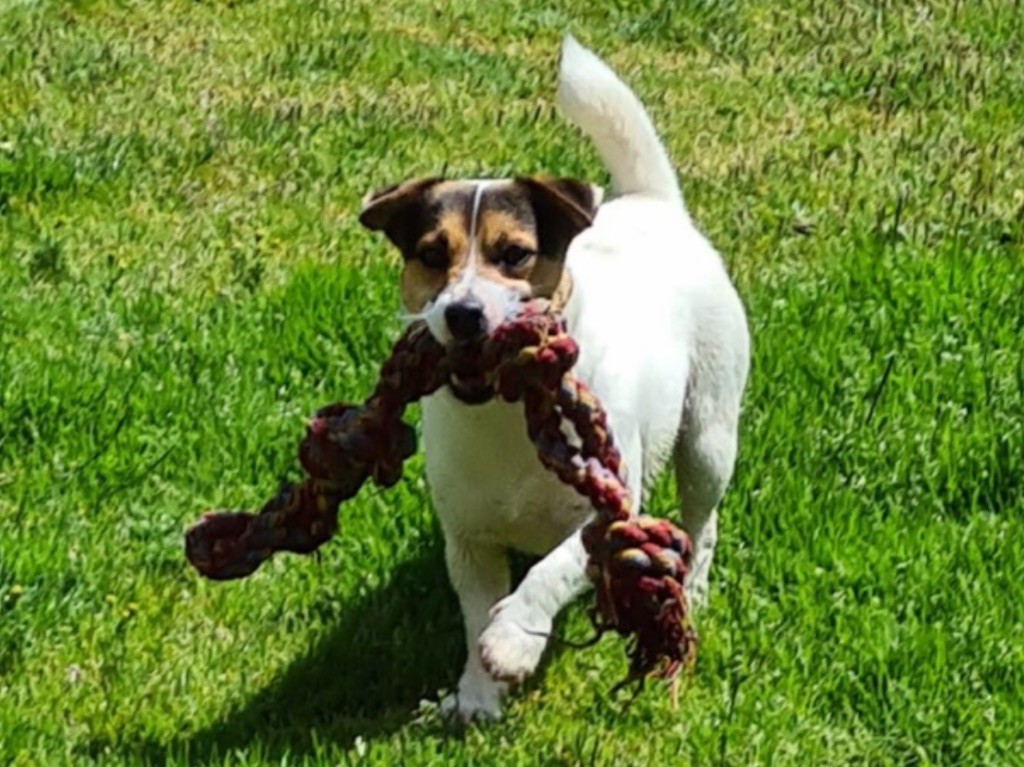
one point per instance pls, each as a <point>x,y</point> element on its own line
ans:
<point>593,97</point>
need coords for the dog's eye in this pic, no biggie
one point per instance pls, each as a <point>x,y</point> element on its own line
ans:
<point>434,255</point>
<point>513,256</point>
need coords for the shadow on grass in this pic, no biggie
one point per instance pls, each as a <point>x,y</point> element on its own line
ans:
<point>395,647</point>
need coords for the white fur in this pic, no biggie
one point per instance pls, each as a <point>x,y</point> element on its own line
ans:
<point>664,345</point>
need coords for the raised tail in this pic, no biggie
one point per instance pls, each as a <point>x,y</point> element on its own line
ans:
<point>592,96</point>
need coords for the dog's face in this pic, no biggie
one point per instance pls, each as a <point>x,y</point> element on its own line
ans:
<point>473,251</point>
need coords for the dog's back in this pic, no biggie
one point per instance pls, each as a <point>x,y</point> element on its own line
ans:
<point>653,308</point>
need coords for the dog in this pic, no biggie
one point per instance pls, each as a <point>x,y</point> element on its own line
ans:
<point>663,343</point>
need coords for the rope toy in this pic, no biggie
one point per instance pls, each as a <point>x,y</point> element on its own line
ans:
<point>636,563</point>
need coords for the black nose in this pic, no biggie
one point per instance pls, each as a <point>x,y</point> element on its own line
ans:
<point>465,319</point>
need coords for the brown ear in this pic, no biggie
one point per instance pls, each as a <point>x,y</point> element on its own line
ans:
<point>398,211</point>
<point>563,207</point>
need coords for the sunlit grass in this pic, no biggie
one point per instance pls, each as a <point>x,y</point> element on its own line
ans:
<point>182,280</point>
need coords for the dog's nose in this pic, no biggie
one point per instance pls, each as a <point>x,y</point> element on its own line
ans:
<point>465,319</point>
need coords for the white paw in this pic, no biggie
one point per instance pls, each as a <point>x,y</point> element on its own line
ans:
<point>513,642</point>
<point>476,701</point>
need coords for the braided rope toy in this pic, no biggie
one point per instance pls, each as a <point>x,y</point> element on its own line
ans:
<point>636,563</point>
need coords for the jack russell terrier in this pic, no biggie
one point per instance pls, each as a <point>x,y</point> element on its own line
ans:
<point>663,343</point>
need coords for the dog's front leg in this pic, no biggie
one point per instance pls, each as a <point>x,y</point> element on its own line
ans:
<point>513,642</point>
<point>479,574</point>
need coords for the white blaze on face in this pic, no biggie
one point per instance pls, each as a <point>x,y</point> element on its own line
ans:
<point>461,287</point>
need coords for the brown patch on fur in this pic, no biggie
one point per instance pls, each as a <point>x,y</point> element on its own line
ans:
<point>398,210</point>
<point>451,226</point>
<point>546,276</point>
<point>420,285</point>
<point>500,228</point>
<point>422,282</point>
<point>503,227</point>
<point>562,208</point>
<point>563,292</point>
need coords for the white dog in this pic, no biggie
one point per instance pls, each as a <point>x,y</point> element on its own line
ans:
<point>663,343</point>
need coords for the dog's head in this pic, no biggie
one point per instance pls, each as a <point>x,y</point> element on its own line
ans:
<point>473,251</point>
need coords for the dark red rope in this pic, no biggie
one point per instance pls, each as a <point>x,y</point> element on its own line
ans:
<point>637,564</point>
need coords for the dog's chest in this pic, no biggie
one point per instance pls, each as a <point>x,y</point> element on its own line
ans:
<point>487,481</point>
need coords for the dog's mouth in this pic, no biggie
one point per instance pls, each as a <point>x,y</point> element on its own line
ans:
<point>473,389</point>
<point>468,380</point>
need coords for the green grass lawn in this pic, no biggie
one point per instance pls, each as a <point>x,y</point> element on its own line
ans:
<point>182,280</point>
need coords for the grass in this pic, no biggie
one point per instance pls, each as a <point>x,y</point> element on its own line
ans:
<point>182,279</point>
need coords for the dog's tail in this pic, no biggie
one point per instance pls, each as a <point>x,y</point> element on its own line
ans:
<point>591,95</point>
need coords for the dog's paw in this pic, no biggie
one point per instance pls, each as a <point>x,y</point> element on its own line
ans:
<point>512,644</point>
<point>473,703</point>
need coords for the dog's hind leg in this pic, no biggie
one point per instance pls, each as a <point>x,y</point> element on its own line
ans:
<point>703,464</point>
<point>705,452</point>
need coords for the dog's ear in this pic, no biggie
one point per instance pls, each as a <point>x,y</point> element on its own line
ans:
<point>398,211</point>
<point>563,207</point>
